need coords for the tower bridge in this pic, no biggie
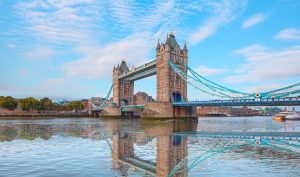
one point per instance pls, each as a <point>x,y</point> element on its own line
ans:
<point>173,76</point>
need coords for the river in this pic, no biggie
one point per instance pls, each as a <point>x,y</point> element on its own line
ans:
<point>134,147</point>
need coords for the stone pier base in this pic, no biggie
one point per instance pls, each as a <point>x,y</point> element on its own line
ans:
<point>185,112</point>
<point>110,111</point>
<point>135,112</point>
<point>166,110</point>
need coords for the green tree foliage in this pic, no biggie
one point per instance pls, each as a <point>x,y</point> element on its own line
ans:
<point>1,98</point>
<point>46,104</point>
<point>76,105</point>
<point>29,104</point>
<point>8,103</point>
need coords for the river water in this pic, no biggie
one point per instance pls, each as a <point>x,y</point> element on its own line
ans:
<point>134,147</point>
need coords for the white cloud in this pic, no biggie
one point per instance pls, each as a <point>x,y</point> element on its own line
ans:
<point>289,34</point>
<point>255,19</point>
<point>129,30</point>
<point>262,64</point>
<point>206,71</point>
<point>40,54</point>
<point>24,72</point>
<point>99,61</point>
<point>58,21</point>
<point>223,13</point>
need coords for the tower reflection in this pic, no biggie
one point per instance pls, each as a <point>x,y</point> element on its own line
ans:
<point>170,149</point>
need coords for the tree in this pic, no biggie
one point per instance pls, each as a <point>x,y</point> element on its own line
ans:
<point>76,105</point>
<point>1,98</point>
<point>45,104</point>
<point>29,104</point>
<point>9,103</point>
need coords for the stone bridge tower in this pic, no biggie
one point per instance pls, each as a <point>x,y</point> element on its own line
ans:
<point>170,86</point>
<point>122,88</point>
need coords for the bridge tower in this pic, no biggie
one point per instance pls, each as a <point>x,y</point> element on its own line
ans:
<point>170,86</point>
<point>122,88</point>
<point>170,151</point>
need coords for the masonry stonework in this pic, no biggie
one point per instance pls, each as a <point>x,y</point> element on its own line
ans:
<point>122,89</point>
<point>170,86</point>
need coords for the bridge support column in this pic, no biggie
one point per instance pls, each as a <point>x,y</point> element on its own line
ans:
<point>158,110</point>
<point>185,112</point>
<point>167,110</point>
<point>111,111</point>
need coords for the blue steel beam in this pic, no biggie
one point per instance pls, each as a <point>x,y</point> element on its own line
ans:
<point>292,101</point>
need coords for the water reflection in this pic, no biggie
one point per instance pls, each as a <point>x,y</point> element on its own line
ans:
<point>170,149</point>
<point>133,147</point>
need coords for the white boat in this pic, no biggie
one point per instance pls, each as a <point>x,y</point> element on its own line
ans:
<point>292,116</point>
<point>287,115</point>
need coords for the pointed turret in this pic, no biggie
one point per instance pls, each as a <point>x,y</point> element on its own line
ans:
<point>185,50</point>
<point>158,47</point>
<point>123,67</point>
<point>167,39</point>
<point>184,47</point>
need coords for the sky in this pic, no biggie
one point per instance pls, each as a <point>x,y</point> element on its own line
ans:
<point>67,49</point>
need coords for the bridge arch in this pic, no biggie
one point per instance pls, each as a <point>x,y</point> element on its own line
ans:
<point>176,97</point>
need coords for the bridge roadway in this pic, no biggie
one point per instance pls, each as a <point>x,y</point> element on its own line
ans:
<point>288,136</point>
<point>291,101</point>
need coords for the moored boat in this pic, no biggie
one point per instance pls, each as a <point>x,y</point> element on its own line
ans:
<point>292,116</point>
<point>287,115</point>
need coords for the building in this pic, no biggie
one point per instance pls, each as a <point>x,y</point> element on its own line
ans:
<point>226,111</point>
<point>142,98</point>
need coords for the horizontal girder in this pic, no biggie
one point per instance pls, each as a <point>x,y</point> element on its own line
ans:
<point>146,70</point>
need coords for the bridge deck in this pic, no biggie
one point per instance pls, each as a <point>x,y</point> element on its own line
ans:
<point>294,136</point>
<point>293,101</point>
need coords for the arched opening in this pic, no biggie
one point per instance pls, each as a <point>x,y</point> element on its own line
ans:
<point>176,97</point>
<point>176,140</point>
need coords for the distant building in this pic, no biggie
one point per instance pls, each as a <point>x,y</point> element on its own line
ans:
<point>142,98</point>
<point>226,111</point>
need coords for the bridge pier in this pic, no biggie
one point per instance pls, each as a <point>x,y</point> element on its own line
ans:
<point>111,111</point>
<point>167,110</point>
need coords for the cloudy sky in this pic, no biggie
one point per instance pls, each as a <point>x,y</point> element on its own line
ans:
<point>67,49</point>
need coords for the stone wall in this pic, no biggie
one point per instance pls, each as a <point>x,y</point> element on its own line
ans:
<point>158,110</point>
<point>111,111</point>
<point>185,112</point>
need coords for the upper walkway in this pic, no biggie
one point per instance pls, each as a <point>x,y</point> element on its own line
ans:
<point>146,70</point>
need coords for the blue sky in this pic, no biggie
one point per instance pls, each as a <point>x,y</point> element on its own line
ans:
<point>67,49</point>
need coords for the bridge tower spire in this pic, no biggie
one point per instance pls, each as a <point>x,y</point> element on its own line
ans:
<point>170,86</point>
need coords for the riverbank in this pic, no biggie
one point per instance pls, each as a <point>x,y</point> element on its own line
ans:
<point>43,114</point>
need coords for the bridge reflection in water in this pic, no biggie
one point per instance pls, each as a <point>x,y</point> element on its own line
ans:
<point>170,149</point>
<point>172,158</point>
